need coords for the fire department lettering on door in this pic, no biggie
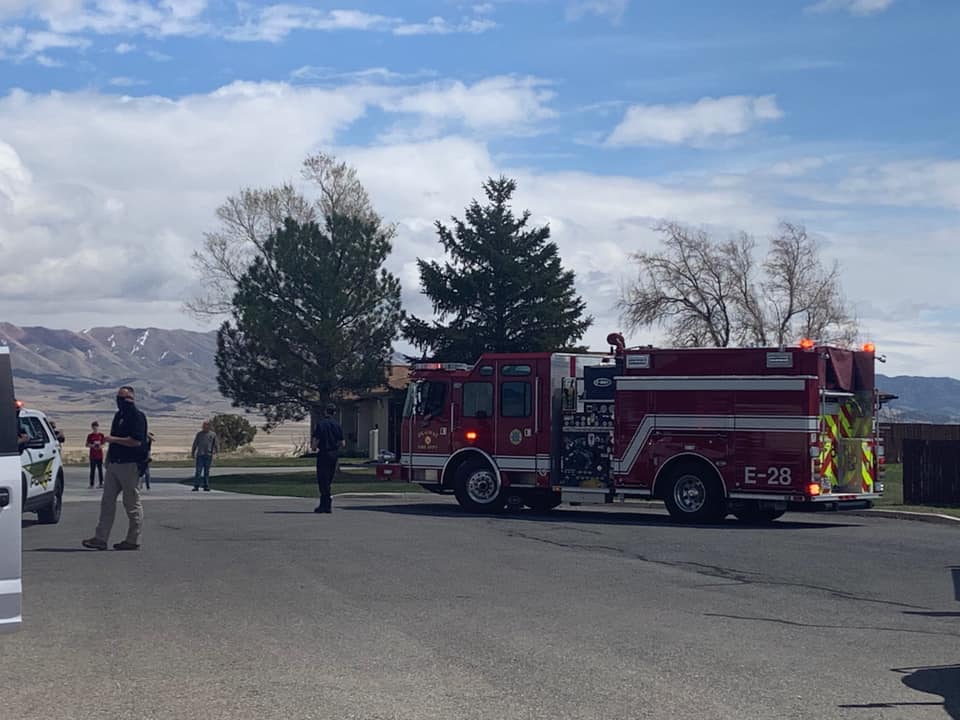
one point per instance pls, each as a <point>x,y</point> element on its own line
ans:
<point>773,475</point>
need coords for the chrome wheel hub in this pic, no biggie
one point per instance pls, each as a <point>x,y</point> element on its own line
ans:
<point>482,486</point>
<point>690,494</point>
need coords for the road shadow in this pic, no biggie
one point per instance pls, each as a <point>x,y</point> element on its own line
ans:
<point>955,570</point>
<point>933,614</point>
<point>28,523</point>
<point>587,517</point>
<point>943,680</point>
<point>60,550</point>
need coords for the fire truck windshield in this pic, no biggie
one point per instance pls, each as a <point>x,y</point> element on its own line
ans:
<point>425,398</point>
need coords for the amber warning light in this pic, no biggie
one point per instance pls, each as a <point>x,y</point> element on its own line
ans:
<point>869,347</point>
<point>471,435</point>
<point>806,344</point>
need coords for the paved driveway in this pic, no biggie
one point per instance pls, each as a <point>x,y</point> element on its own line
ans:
<point>257,608</point>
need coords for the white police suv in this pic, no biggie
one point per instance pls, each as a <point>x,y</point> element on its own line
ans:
<point>42,475</point>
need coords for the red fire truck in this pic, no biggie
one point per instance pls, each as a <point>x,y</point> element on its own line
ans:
<point>710,431</point>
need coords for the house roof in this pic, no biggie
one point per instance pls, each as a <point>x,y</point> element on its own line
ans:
<point>397,378</point>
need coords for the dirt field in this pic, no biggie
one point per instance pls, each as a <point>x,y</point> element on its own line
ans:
<point>174,435</point>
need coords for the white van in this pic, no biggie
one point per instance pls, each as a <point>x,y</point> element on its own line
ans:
<point>11,502</point>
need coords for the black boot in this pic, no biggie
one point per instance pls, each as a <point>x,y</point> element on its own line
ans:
<point>325,504</point>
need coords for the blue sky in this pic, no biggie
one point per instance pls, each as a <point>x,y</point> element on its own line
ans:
<point>124,123</point>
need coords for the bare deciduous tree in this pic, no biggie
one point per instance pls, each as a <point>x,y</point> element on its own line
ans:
<point>706,292</point>
<point>248,218</point>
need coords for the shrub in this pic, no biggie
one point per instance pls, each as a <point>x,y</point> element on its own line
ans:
<point>233,431</point>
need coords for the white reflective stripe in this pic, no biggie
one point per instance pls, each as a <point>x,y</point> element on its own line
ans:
<point>4,350</point>
<point>759,496</point>
<point>11,587</point>
<point>844,497</point>
<point>698,383</point>
<point>428,461</point>
<point>738,423</point>
<point>802,423</point>
<point>506,462</point>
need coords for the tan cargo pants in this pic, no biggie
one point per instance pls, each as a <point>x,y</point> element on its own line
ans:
<point>121,478</point>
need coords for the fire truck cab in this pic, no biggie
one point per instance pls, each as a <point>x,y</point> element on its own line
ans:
<point>709,431</point>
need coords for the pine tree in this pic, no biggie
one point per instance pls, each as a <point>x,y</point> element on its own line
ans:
<point>313,318</point>
<point>503,288</point>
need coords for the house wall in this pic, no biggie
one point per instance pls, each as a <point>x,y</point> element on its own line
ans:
<point>359,418</point>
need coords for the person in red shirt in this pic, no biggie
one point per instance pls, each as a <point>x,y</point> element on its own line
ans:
<point>95,443</point>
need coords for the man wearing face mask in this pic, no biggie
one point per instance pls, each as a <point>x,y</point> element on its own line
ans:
<point>127,439</point>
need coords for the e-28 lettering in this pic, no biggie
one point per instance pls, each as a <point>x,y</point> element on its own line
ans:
<point>772,475</point>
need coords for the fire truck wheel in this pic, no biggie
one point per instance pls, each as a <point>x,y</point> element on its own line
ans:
<point>754,514</point>
<point>478,489</point>
<point>542,500</point>
<point>694,494</point>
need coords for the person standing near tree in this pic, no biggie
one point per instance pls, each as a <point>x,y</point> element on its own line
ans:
<point>205,446</point>
<point>95,442</point>
<point>326,441</point>
<point>145,466</point>
<point>127,438</point>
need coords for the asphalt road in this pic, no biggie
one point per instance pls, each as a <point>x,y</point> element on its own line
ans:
<point>257,608</point>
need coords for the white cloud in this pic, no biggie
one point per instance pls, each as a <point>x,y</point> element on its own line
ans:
<point>693,123</point>
<point>160,17</point>
<point>69,22</point>
<point>796,167</point>
<point>612,9</point>
<point>275,22</point>
<point>504,103</point>
<point>377,74</point>
<point>91,183</point>
<point>20,44</point>
<point>47,61</point>
<point>916,183</point>
<point>126,82</point>
<point>37,42</point>
<point>440,26</point>
<point>854,7</point>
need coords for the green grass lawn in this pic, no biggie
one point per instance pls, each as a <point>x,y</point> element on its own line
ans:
<point>299,484</point>
<point>893,496</point>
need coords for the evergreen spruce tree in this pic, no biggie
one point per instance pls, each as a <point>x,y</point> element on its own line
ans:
<point>502,289</point>
<point>313,318</point>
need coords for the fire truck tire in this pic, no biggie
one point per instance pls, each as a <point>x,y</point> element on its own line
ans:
<point>542,500</point>
<point>694,494</point>
<point>754,514</point>
<point>478,489</point>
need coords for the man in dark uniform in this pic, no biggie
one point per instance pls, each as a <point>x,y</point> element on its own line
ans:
<point>326,441</point>
<point>127,439</point>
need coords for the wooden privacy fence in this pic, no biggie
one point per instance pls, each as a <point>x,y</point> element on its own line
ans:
<point>931,472</point>
<point>894,435</point>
